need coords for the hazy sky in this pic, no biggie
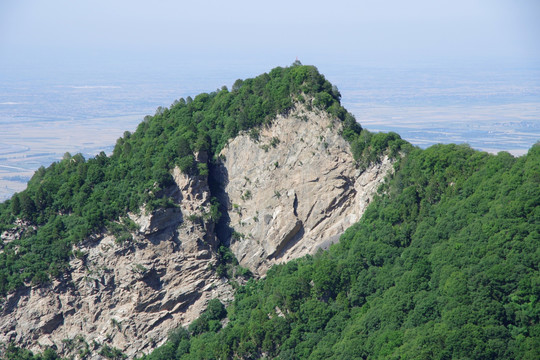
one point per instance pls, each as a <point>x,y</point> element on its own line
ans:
<point>117,34</point>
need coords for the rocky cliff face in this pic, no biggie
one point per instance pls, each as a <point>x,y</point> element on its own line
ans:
<point>290,189</point>
<point>294,189</point>
<point>126,295</point>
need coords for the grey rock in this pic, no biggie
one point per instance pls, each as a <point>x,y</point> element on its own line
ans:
<point>291,196</point>
<point>126,295</point>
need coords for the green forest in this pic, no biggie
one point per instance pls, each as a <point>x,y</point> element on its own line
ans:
<point>442,265</point>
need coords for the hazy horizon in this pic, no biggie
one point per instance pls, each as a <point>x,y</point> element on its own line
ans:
<point>108,36</point>
<point>492,110</point>
<point>458,71</point>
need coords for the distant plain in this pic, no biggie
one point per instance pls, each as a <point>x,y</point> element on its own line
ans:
<point>491,109</point>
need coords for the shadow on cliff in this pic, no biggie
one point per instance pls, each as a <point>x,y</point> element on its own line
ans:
<point>217,181</point>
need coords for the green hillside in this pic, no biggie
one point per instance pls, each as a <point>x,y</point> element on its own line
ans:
<point>443,265</point>
<point>74,198</point>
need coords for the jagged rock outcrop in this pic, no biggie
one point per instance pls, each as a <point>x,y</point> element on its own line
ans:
<point>294,189</point>
<point>291,188</point>
<point>126,295</point>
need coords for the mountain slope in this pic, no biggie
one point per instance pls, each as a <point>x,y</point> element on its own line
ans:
<point>128,294</point>
<point>443,265</point>
<point>115,251</point>
<point>74,198</point>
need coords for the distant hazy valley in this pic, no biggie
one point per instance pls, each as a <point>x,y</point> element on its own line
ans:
<point>492,110</point>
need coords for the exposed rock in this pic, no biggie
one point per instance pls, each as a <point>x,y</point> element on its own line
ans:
<point>126,295</point>
<point>295,190</point>
<point>19,229</point>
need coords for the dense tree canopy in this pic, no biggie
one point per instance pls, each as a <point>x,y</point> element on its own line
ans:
<point>443,265</point>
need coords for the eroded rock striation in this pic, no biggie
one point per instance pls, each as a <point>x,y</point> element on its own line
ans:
<point>294,189</point>
<point>290,188</point>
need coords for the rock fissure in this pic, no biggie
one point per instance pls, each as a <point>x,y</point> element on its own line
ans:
<point>286,239</point>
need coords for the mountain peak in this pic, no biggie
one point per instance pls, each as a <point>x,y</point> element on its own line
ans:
<point>272,170</point>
